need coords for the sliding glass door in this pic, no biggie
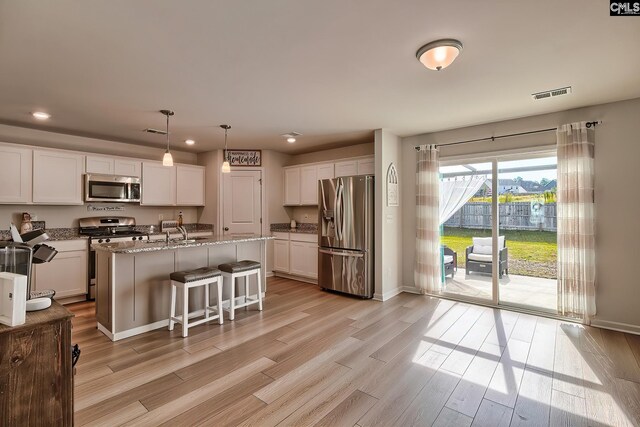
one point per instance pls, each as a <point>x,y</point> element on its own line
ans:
<point>498,228</point>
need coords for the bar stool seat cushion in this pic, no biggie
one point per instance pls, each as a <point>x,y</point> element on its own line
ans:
<point>194,275</point>
<point>239,267</point>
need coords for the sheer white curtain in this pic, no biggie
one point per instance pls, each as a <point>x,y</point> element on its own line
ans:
<point>576,221</point>
<point>454,193</point>
<point>427,263</point>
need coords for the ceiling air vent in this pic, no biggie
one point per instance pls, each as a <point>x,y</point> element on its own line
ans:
<point>157,131</point>
<point>551,93</point>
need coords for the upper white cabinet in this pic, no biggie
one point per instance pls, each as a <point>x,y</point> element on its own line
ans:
<point>113,166</point>
<point>309,185</point>
<point>347,168</point>
<point>292,186</point>
<point>158,184</point>
<point>15,173</point>
<point>190,185</point>
<point>326,171</point>
<point>366,166</point>
<point>100,164</point>
<point>127,167</point>
<point>57,177</point>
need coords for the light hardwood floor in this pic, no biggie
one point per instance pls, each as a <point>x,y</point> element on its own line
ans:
<point>316,358</point>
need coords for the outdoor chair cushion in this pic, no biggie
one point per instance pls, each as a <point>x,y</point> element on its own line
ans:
<point>480,257</point>
<point>483,245</point>
<point>448,259</point>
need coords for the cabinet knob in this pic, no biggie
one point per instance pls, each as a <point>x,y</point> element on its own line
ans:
<point>226,229</point>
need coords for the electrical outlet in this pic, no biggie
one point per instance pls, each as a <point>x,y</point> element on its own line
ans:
<point>160,217</point>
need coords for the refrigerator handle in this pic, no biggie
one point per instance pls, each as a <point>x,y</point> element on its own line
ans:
<point>338,209</point>
<point>345,254</point>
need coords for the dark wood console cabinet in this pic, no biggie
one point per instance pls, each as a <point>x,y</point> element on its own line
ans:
<point>36,374</point>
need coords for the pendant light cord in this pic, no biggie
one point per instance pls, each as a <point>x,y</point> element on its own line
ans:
<point>225,145</point>
<point>167,132</point>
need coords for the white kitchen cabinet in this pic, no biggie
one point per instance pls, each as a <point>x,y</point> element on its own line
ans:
<point>101,165</point>
<point>366,166</point>
<point>113,166</point>
<point>309,185</point>
<point>158,184</point>
<point>57,177</point>
<point>346,168</point>
<point>190,185</point>
<point>15,174</point>
<point>291,186</point>
<point>127,167</point>
<point>67,272</point>
<point>325,171</point>
<point>281,256</point>
<point>303,259</point>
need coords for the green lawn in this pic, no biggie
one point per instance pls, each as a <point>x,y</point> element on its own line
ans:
<point>531,253</point>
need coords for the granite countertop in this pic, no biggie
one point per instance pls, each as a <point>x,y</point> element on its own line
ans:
<point>154,246</point>
<point>303,228</point>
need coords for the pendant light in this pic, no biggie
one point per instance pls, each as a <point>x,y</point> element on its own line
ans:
<point>167,159</point>
<point>226,168</point>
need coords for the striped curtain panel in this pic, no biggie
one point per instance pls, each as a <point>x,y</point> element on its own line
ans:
<point>576,222</point>
<point>427,268</point>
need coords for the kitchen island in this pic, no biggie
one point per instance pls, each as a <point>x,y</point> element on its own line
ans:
<point>132,278</point>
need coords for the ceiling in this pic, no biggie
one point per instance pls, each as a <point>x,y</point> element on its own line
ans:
<point>333,70</point>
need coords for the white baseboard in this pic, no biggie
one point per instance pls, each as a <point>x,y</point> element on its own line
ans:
<point>298,278</point>
<point>411,290</point>
<point>269,274</point>
<point>387,295</point>
<point>616,326</point>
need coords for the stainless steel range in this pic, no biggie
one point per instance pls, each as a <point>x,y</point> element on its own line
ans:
<point>107,229</point>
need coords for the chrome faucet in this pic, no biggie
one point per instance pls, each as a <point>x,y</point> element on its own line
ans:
<point>183,230</point>
<point>167,235</point>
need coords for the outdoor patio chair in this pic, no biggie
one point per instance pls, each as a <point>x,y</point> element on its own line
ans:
<point>450,261</point>
<point>479,256</point>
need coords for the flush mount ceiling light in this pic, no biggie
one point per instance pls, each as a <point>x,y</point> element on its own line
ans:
<point>189,142</point>
<point>291,136</point>
<point>40,115</point>
<point>439,54</point>
<point>167,159</point>
<point>226,168</point>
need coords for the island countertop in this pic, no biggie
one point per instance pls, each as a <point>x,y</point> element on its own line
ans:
<point>162,245</point>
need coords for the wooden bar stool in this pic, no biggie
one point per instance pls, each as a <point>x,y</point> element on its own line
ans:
<point>186,280</point>
<point>233,270</point>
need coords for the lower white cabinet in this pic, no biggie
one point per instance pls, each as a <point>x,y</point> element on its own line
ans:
<point>296,254</point>
<point>281,255</point>
<point>67,272</point>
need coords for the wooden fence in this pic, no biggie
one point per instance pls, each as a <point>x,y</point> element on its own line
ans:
<point>513,216</point>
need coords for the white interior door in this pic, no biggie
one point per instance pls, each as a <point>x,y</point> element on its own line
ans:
<point>241,200</point>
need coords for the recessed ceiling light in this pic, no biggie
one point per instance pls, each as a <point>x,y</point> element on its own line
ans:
<point>189,142</point>
<point>291,140</point>
<point>40,115</point>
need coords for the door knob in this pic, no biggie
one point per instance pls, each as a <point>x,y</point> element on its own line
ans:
<point>226,229</point>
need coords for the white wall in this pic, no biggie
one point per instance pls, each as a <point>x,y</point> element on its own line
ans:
<point>388,219</point>
<point>616,194</point>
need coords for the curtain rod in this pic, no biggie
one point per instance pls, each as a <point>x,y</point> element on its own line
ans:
<point>493,138</point>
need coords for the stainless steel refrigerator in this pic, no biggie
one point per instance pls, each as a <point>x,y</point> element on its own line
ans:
<point>345,235</point>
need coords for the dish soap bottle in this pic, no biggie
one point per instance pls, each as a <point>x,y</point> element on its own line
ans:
<point>180,219</point>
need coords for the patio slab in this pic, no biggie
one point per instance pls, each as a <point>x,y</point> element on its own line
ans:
<point>535,292</point>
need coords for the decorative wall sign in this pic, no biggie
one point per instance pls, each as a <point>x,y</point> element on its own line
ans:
<point>94,208</point>
<point>245,157</point>
<point>392,186</point>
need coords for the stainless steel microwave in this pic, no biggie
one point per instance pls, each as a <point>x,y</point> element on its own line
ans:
<point>111,188</point>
